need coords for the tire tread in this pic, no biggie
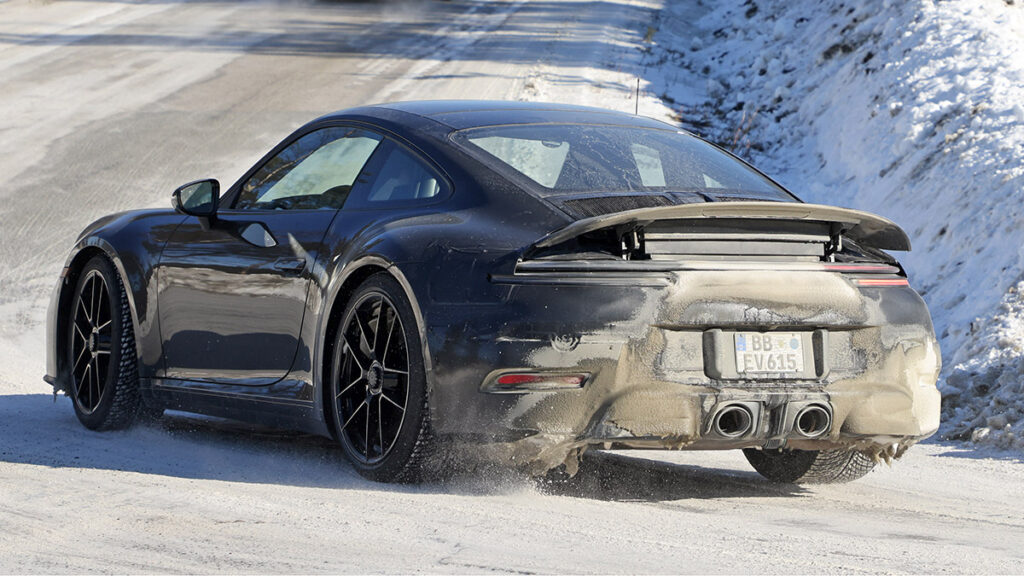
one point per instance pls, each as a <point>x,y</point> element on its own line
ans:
<point>810,466</point>
<point>125,407</point>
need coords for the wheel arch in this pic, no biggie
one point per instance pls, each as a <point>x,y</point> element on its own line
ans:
<point>340,290</point>
<point>85,250</point>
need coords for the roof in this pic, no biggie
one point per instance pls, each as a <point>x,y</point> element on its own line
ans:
<point>462,114</point>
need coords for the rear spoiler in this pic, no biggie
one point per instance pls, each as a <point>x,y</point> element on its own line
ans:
<point>862,227</point>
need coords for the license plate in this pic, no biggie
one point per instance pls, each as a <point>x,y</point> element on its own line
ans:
<point>768,352</point>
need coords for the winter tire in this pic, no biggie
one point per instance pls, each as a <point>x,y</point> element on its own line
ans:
<point>809,466</point>
<point>378,386</point>
<point>103,383</point>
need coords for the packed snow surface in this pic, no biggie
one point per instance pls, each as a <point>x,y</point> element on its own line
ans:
<point>912,110</point>
<point>909,109</point>
<point>190,496</point>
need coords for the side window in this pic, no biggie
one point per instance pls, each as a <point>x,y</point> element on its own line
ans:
<point>315,172</point>
<point>396,176</point>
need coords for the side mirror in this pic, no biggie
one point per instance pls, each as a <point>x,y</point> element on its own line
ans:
<point>199,198</point>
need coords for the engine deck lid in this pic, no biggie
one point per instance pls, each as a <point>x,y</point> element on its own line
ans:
<point>862,227</point>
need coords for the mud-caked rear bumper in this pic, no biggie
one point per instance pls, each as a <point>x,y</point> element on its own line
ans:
<point>652,355</point>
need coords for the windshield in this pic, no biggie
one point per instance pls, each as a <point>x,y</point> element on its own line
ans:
<point>571,158</point>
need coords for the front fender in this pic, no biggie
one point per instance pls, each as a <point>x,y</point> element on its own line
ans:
<point>132,241</point>
<point>87,247</point>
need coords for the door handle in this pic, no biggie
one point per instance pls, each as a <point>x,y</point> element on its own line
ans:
<point>290,265</point>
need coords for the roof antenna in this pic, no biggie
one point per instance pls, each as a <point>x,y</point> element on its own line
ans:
<point>636,104</point>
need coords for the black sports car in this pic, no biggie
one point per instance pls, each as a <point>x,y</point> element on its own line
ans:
<point>532,280</point>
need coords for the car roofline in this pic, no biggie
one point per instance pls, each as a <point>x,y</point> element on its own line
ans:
<point>439,109</point>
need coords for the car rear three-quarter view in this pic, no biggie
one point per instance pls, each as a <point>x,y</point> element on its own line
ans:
<point>521,281</point>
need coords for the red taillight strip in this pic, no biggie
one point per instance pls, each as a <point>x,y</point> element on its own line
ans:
<point>882,281</point>
<point>525,382</point>
<point>572,380</point>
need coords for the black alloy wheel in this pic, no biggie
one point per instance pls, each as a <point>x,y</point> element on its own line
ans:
<point>378,385</point>
<point>90,342</point>
<point>103,381</point>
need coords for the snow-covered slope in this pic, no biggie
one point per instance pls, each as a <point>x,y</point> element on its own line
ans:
<point>914,110</point>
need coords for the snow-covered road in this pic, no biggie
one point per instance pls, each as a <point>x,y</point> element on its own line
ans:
<point>188,496</point>
<point>108,105</point>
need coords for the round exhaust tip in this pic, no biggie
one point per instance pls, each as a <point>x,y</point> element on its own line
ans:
<point>733,421</point>
<point>813,421</point>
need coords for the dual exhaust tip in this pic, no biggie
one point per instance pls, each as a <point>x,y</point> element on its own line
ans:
<point>733,421</point>
<point>812,421</point>
<point>737,420</point>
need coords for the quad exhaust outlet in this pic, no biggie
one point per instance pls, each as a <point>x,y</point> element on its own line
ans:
<point>805,419</point>
<point>733,421</point>
<point>813,421</point>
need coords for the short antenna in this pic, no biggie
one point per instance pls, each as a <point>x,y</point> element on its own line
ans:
<point>636,104</point>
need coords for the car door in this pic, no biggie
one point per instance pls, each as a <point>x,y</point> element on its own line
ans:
<point>232,291</point>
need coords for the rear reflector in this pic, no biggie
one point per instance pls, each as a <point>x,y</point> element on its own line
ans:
<point>882,281</point>
<point>873,268</point>
<point>533,382</point>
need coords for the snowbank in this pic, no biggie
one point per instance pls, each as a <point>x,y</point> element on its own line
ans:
<point>914,110</point>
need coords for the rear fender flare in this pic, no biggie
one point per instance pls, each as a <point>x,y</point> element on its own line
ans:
<point>332,300</point>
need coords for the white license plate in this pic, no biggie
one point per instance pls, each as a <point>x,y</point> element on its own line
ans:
<point>768,352</point>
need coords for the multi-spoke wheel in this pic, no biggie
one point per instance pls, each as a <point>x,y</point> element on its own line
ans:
<point>103,382</point>
<point>377,384</point>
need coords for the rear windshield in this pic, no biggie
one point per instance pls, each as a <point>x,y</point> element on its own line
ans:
<point>569,158</point>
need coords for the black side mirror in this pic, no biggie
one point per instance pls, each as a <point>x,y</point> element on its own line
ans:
<point>199,198</point>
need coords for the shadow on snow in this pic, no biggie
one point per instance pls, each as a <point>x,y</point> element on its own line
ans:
<point>35,431</point>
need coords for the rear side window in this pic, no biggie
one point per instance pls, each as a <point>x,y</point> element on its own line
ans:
<point>396,177</point>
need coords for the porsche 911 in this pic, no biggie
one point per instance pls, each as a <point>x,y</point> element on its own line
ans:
<point>528,280</point>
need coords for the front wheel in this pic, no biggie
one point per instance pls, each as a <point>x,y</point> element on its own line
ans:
<point>809,466</point>
<point>378,385</point>
<point>104,385</point>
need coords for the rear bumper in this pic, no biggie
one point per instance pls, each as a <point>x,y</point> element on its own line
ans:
<point>651,381</point>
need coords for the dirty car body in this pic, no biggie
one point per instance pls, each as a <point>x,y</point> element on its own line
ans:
<point>577,278</point>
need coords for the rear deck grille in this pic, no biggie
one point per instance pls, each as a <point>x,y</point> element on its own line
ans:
<point>722,239</point>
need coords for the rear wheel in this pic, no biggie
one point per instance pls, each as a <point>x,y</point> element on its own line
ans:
<point>101,350</point>
<point>809,466</point>
<point>378,385</point>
